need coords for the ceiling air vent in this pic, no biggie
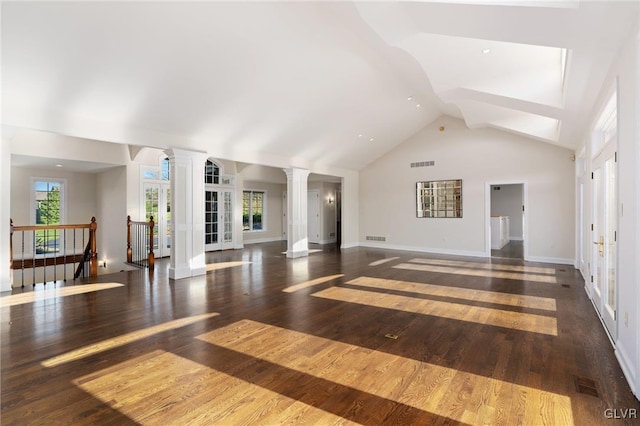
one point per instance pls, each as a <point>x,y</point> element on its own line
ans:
<point>423,164</point>
<point>373,238</point>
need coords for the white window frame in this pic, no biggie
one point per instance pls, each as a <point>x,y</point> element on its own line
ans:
<point>264,210</point>
<point>63,198</point>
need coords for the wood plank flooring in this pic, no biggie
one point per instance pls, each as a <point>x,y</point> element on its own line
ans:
<point>358,336</point>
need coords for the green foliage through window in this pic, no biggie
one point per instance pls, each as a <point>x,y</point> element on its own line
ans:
<point>252,210</point>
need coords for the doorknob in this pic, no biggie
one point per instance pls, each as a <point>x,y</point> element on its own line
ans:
<point>600,245</point>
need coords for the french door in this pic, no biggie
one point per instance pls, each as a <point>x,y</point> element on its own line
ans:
<point>218,219</point>
<point>157,197</point>
<point>604,237</point>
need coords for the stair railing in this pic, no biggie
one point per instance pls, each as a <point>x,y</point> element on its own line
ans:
<point>140,242</point>
<point>52,252</point>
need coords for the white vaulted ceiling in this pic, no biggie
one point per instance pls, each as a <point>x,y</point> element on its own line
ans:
<point>308,84</point>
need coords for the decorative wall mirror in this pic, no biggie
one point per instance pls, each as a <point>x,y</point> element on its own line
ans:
<point>439,198</point>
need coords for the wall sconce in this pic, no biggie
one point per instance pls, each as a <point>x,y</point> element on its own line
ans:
<point>330,200</point>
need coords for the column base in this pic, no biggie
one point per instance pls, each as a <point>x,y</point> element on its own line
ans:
<point>178,273</point>
<point>294,254</point>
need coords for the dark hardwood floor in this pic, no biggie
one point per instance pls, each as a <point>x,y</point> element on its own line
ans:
<point>513,250</point>
<point>362,336</point>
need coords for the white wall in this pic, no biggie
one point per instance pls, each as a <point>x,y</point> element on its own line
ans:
<point>80,194</point>
<point>626,75</point>
<point>508,201</point>
<point>272,216</point>
<point>111,212</point>
<point>5,209</point>
<point>388,191</point>
<point>328,212</point>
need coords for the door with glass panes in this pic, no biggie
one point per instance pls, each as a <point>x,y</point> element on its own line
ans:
<point>604,237</point>
<point>158,204</point>
<point>218,209</point>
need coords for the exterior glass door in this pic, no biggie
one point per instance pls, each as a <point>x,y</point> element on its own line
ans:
<point>218,220</point>
<point>211,234</point>
<point>604,237</point>
<point>157,203</point>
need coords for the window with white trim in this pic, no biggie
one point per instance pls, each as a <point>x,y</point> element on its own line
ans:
<point>253,210</point>
<point>48,203</point>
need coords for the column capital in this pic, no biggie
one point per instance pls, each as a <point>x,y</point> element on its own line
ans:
<point>183,155</point>
<point>293,172</point>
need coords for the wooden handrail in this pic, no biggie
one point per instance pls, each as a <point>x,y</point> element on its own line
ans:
<point>90,255</point>
<point>39,227</point>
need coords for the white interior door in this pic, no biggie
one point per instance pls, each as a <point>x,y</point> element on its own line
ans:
<point>604,237</point>
<point>313,216</point>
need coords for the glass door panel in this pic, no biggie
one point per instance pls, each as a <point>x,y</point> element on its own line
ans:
<point>211,234</point>
<point>604,236</point>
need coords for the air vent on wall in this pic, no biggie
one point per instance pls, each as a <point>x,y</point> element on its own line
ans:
<point>423,164</point>
<point>372,238</point>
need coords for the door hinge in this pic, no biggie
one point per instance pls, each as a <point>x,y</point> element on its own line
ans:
<point>615,315</point>
<point>615,156</point>
<point>591,175</point>
<point>592,226</point>
<point>615,235</point>
<point>591,278</point>
<point>523,207</point>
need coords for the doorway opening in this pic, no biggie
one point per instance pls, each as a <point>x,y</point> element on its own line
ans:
<point>507,224</point>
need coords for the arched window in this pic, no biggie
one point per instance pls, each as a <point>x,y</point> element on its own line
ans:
<point>211,173</point>
<point>164,169</point>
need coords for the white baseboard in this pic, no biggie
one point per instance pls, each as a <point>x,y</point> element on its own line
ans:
<point>627,368</point>
<point>516,238</point>
<point>558,260</point>
<point>423,249</point>
<point>263,240</point>
<point>349,245</point>
<point>329,241</point>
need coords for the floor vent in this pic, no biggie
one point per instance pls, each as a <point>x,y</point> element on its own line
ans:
<point>423,164</point>
<point>374,238</point>
<point>562,270</point>
<point>585,386</point>
<point>566,285</point>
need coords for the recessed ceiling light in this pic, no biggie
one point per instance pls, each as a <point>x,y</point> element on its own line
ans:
<point>486,50</point>
<point>360,135</point>
<point>370,139</point>
<point>418,105</point>
<point>58,165</point>
<point>409,98</point>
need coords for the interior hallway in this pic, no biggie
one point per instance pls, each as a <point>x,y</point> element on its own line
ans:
<point>365,336</point>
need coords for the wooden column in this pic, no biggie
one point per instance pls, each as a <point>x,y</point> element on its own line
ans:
<point>93,261</point>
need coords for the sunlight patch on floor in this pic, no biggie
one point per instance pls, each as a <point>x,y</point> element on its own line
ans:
<point>428,387</point>
<point>312,283</point>
<point>456,311</point>
<point>162,388</point>
<point>534,302</point>
<point>478,273</point>
<point>225,265</point>
<point>490,266</point>
<point>123,339</point>
<point>383,261</point>
<point>49,293</point>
